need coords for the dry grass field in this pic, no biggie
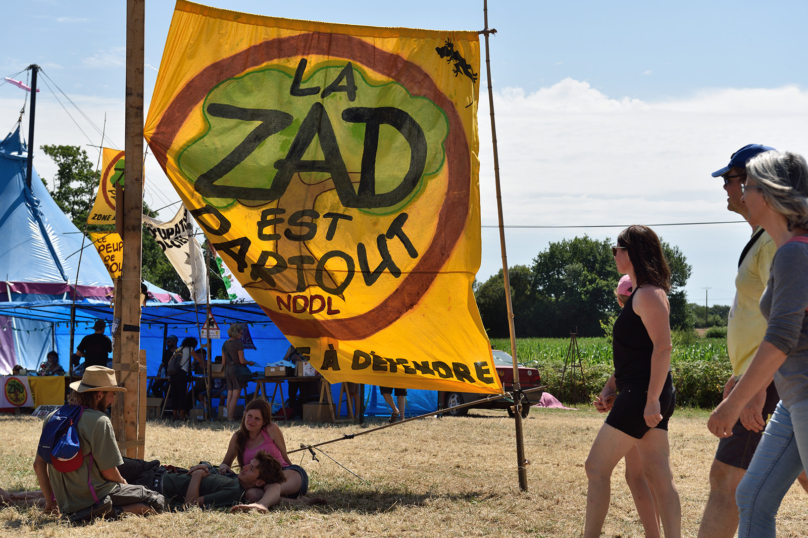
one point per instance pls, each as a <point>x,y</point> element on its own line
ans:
<point>433,477</point>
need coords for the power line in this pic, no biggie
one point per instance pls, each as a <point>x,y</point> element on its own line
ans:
<point>618,225</point>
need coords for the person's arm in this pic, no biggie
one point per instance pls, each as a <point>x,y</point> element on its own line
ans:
<point>113,475</point>
<point>651,304</point>
<point>196,357</point>
<point>765,363</point>
<point>192,493</point>
<point>41,470</point>
<point>242,360</point>
<point>605,400</point>
<point>230,456</point>
<point>277,436</point>
<point>271,497</point>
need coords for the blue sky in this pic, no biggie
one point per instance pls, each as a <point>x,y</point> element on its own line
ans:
<point>607,112</point>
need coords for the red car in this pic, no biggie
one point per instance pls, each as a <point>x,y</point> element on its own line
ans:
<point>528,378</point>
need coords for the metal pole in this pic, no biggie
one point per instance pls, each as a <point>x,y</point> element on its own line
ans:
<point>30,170</point>
<point>517,389</point>
<point>706,308</point>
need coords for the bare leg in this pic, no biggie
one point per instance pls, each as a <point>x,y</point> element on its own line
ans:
<point>655,452</point>
<point>803,481</point>
<point>643,500</point>
<point>609,447</point>
<point>138,508</point>
<point>720,518</point>
<point>389,399</point>
<point>232,400</point>
<point>402,403</point>
<point>5,497</point>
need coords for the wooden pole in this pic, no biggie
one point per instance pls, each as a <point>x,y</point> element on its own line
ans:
<point>128,307</point>
<point>31,116</point>
<point>520,442</point>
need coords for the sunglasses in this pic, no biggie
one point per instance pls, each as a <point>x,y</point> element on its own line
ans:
<point>728,179</point>
<point>615,249</point>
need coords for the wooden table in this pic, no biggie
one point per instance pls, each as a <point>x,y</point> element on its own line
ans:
<point>262,381</point>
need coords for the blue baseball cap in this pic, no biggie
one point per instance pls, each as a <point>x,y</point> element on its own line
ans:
<point>743,156</point>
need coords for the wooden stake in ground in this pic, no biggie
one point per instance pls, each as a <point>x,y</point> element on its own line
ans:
<point>127,296</point>
<point>520,442</point>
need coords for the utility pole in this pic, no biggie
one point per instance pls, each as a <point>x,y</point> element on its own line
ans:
<point>30,168</point>
<point>129,203</point>
<point>706,308</point>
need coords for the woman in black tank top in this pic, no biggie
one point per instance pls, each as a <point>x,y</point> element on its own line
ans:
<point>639,415</point>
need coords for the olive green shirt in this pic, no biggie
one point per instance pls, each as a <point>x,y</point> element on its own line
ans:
<point>216,489</point>
<point>96,436</point>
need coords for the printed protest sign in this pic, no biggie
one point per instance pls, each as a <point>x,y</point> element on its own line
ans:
<point>110,247</point>
<point>334,168</point>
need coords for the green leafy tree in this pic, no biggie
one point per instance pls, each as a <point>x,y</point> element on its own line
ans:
<point>570,287</point>
<point>490,297</point>
<point>76,181</point>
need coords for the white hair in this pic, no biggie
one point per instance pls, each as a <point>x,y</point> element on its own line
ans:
<point>783,178</point>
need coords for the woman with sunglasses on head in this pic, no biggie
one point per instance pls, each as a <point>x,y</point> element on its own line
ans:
<point>776,196</point>
<point>641,341</point>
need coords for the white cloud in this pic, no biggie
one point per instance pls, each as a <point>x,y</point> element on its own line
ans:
<point>571,155</point>
<point>559,63</point>
<point>647,72</point>
<point>71,19</point>
<point>112,57</point>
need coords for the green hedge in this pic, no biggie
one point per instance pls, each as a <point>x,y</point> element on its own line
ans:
<point>697,383</point>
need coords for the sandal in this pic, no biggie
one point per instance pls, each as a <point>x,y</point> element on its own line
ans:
<point>393,418</point>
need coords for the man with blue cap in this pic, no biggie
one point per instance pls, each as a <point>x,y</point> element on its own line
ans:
<point>745,331</point>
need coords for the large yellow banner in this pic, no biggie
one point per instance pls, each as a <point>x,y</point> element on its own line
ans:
<point>112,172</point>
<point>334,168</point>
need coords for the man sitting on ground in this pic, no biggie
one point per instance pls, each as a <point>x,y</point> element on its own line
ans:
<point>97,476</point>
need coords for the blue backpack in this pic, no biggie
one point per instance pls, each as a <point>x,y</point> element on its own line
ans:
<point>59,442</point>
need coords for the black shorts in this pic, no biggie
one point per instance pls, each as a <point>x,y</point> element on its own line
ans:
<point>389,390</point>
<point>304,480</point>
<point>737,450</point>
<point>629,406</point>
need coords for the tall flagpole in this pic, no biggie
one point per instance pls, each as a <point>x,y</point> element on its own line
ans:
<point>517,389</point>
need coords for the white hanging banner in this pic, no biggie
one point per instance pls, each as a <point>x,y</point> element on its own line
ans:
<point>176,238</point>
<point>15,392</point>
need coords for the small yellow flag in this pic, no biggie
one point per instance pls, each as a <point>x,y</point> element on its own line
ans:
<point>110,246</point>
<point>103,211</point>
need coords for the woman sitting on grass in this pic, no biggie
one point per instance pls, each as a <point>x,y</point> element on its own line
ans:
<point>641,341</point>
<point>257,432</point>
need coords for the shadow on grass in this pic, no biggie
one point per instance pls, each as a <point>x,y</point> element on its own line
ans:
<point>370,502</point>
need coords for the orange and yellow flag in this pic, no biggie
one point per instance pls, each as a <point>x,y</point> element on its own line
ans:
<point>334,168</point>
<point>112,167</point>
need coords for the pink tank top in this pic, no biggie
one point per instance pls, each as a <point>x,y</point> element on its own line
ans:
<point>267,446</point>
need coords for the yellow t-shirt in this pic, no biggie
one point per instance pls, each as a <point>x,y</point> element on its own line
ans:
<point>747,326</point>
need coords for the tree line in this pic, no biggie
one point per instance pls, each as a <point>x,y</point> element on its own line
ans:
<point>570,287</point>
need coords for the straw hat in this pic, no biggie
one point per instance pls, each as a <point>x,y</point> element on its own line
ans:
<point>97,378</point>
